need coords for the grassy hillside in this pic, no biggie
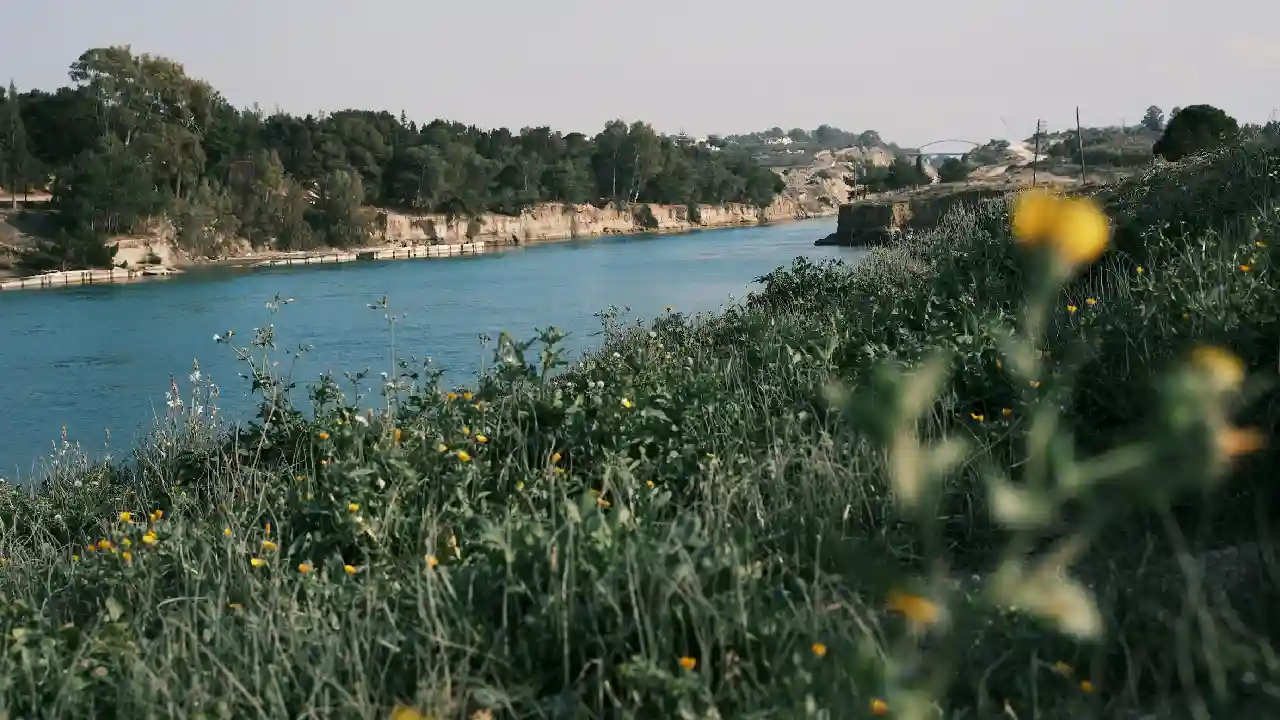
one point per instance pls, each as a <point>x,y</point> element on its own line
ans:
<point>856,492</point>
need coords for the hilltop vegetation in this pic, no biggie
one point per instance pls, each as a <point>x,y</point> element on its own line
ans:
<point>134,137</point>
<point>863,489</point>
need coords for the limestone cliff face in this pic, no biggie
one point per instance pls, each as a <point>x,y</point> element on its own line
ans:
<point>872,222</point>
<point>559,221</point>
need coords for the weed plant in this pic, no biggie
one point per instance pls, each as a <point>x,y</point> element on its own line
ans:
<point>974,476</point>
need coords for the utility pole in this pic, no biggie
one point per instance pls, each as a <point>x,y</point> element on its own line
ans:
<point>1035,159</point>
<point>1080,147</point>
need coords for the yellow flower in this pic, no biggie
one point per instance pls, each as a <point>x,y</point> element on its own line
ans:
<point>442,448</point>
<point>322,435</point>
<point>350,569</point>
<point>464,456</point>
<point>268,530</point>
<point>915,608</point>
<point>1086,686</point>
<point>1072,309</point>
<point>467,396</point>
<point>1035,384</point>
<point>818,649</point>
<point>1006,412</point>
<point>452,396</point>
<point>466,430</point>
<point>235,606</point>
<point>1140,270</point>
<point>226,531</point>
<point>480,438</point>
<point>603,503</point>
<point>1034,213</point>
<point>126,516</point>
<point>305,568</point>
<point>555,458</point>
<point>126,542</point>
<point>104,544</point>
<point>353,507</point>
<point>1080,231</point>
<point>1246,268</point>
<point>977,417</point>
<point>149,538</point>
<point>126,556</point>
<point>75,558</point>
<point>626,403</point>
<point>648,483</point>
<point>156,515</point>
<point>431,560</point>
<point>257,562</point>
<point>1260,244</point>
<point>404,712</point>
<point>879,707</point>
<point>519,485</point>
<point>396,435</point>
<point>90,548</point>
<point>269,546</point>
<point>1090,302</point>
<point>1220,365</point>
<point>1234,442</point>
<point>688,663</point>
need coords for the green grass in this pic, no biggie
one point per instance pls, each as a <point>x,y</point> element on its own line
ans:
<point>744,490</point>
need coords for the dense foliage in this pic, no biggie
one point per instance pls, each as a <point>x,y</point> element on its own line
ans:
<point>134,137</point>
<point>705,517</point>
<point>1194,129</point>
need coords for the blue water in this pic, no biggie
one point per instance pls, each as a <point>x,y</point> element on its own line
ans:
<point>99,358</point>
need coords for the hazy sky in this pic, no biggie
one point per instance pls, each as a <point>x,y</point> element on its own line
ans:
<point>916,70</point>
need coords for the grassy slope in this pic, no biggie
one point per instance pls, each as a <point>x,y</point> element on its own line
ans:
<point>695,489</point>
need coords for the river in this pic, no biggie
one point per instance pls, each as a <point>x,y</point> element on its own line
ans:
<point>99,358</point>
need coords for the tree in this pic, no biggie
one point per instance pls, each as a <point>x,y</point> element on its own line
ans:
<point>339,217</point>
<point>953,170</point>
<point>15,155</point>
<point>1196,129</point>
<point>1153,120</point>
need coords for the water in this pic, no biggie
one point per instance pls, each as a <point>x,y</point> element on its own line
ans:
<point>95,358</point>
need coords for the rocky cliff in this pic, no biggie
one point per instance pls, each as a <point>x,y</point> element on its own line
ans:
<point>871,222</point>
<point>559,221</point>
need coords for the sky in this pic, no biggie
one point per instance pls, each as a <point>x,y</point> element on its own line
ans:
<point>914,70</point>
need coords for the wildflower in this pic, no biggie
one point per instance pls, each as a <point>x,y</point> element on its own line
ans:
<point>126,556</point>
<point>466,431</point>
<point>1234,442</point>
<point>452,396</point>
<point>267,531</point>
<point>555,458</point>
<point>90,548</point>
<point>1140,270</point>
<point>1086,686</point>
<point>1072,309</point>
<point>879,707</point>
<point>269,546</point>
<point>1035,384</point>
<point>305,568</point>
<point>226,531</point>
<point>603,503</point>
<point>396,435</point>
<point>149,538</point>
<point>1006,412</point>
<point>626,403</point>
<point>648,483</point>
<point>915,608</point>
<point>105,544</point>
<point>257,562</point>
<point>322,435</point>
<point>350,569</point>
<point>431,560</point>
<point>300,478</point>
<point>353,507</point>
<point>464,456</point>
<point>1090,302</point>
<point>1246,268</point>
<point>1034,212</point>
<point>1080,231</point>
<point>442,448</point>
<point>404,712</point>
<point>467,396</point>
<point>481,438</point>
<point>126,516</point>
<point>1221,366</point>
<point>235,606</point>
<point>688,663</point>
<point>977,417</point>
<point>75,558</point>
<point>1260,244</point>
<point>156,515</point>
<point>818,649</point>
<point>519,485</point>
<point>126,542</point>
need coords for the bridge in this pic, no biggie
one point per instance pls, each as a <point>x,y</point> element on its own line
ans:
<point>920,149</point>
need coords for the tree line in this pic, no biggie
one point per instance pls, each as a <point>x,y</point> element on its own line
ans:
<point>133,138</point>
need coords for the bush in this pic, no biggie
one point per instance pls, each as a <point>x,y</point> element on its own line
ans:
<point>1196,129</point>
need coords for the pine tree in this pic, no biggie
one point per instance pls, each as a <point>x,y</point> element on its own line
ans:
<point>15,155</point>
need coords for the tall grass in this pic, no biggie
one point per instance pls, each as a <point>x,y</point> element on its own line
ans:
<point>944,483</point>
